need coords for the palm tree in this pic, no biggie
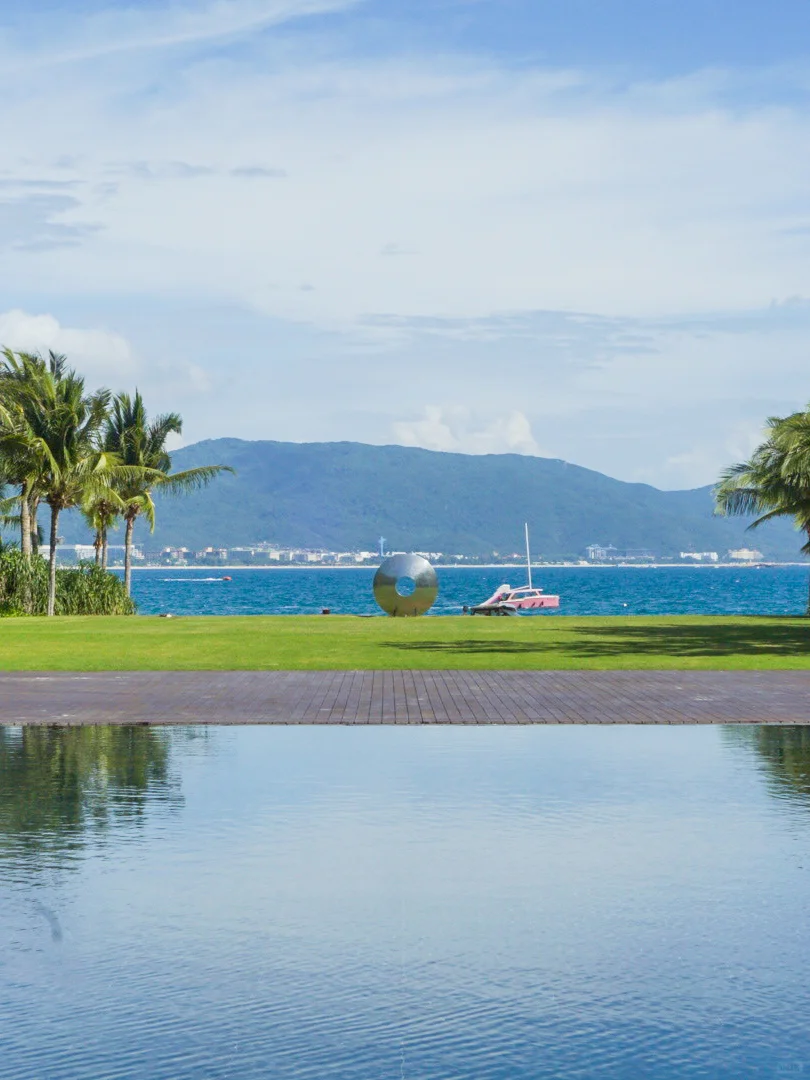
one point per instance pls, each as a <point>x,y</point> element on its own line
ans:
<point>8,506</point>
<point>101,512</point>
<point>775,481</point>
<point>140,444</point>
<point>17,372</point>
<point>54,440</point>
<point>22,392</point>
<point>73,464</point>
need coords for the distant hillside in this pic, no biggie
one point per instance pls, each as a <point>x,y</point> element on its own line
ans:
<point>343,496</point>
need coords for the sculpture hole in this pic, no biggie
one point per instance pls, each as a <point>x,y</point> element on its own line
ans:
<point>406,586</point>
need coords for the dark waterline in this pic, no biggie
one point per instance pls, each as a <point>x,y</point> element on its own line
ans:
<point>584,591</point>
<point>475,904</point>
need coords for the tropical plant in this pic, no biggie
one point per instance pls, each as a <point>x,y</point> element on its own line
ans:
<point>140,444</point>
<point>65,447</point>
<point>101,512</point>
<point>775,481</point>
<point>21,376</point>
<point>52,435</point>
<point>9,518</point>
<point>82,590</point>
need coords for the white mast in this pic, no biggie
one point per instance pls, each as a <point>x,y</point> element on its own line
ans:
<point>528,556</point>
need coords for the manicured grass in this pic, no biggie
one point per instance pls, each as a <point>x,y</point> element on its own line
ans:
<point>101,643</point>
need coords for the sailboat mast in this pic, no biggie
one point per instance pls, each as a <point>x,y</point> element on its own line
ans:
<point>528,556</point>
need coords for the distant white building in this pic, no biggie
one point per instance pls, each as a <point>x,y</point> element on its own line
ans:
<point>745,555</point>
<point>178,555</point>
<point>212,553</point>
<point>700,556</point>
<point>599,552</point>
<point>84,552</point>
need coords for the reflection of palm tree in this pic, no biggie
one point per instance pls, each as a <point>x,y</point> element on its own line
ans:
<point>56,784</point>
<point>784,753</point>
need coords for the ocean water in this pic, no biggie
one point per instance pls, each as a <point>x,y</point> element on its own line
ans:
<point>623,903</point>
<point>583,591</point>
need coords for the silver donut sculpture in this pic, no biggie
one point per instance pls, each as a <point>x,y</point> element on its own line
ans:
<point>388,581</point>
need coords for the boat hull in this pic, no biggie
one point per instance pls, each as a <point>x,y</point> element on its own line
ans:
<point>512,607</point>
<point>535,602</point>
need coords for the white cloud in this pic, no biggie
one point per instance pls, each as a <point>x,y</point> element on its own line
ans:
<point>453,428</point>
<point>447,209</point>
<point>503,191</point>
<point>98,354</point>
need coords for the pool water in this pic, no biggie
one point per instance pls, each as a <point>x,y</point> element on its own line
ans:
<point>365,904</point>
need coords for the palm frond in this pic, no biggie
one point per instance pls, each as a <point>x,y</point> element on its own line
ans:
<point>191,479</point>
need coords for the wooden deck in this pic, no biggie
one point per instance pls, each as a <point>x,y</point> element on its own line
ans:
<point>406,697</point>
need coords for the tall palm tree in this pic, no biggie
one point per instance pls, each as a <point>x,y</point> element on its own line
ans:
<point>140,444</point>
<point>775,481</point>
<point>101,512</point>
<point>23,376</point>
<point>73,464</point>
<point>17,372</point>
<point>55,436</point>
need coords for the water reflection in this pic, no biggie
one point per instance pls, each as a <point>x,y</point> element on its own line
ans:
<point>550,903</point>
<point>783,753</point>
<point>57,785</point>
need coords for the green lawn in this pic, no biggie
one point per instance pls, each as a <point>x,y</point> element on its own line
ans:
<point>78,643</point>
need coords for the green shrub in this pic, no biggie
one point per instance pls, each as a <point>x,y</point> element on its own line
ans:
<point>82,590</point>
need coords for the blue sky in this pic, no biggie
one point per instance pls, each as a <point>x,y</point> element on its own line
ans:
<point>579,229</point>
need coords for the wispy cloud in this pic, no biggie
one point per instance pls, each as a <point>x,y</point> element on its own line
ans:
<point>485,190</point>
<point>34,223</point>
<point>144,28</point>
<point>258,172</point>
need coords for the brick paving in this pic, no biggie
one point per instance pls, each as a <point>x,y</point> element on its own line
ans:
<point>406,697</point>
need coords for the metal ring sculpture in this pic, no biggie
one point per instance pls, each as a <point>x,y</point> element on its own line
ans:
<point>387,585</point>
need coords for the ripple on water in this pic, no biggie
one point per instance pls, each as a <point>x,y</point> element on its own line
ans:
<point>474,905</point>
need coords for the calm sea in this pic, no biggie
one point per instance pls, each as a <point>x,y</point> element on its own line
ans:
<point>580,903</point>
<point>583,591</point>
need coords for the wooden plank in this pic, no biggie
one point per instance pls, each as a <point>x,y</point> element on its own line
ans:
<point>407,697</point>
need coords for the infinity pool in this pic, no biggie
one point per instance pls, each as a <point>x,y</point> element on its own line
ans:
<point>441,904</point>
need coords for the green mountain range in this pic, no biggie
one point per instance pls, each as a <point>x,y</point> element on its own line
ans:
<point>344,496</point>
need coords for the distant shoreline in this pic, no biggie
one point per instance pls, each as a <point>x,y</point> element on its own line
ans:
<point>496,566</point>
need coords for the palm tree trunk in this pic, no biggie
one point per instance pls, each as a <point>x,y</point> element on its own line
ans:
<point>128,555</point>
<point>103,547</point>
<point>34,527</point>
<point>97,546</point>
<point>52,561</point>
<point>25,523</point>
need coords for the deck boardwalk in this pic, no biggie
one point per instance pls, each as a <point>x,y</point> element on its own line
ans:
<point>406,697</point>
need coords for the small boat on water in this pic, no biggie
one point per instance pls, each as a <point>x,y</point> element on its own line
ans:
<point>508,601</point>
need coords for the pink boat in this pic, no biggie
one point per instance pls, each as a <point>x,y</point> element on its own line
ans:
<point>509,601</point>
